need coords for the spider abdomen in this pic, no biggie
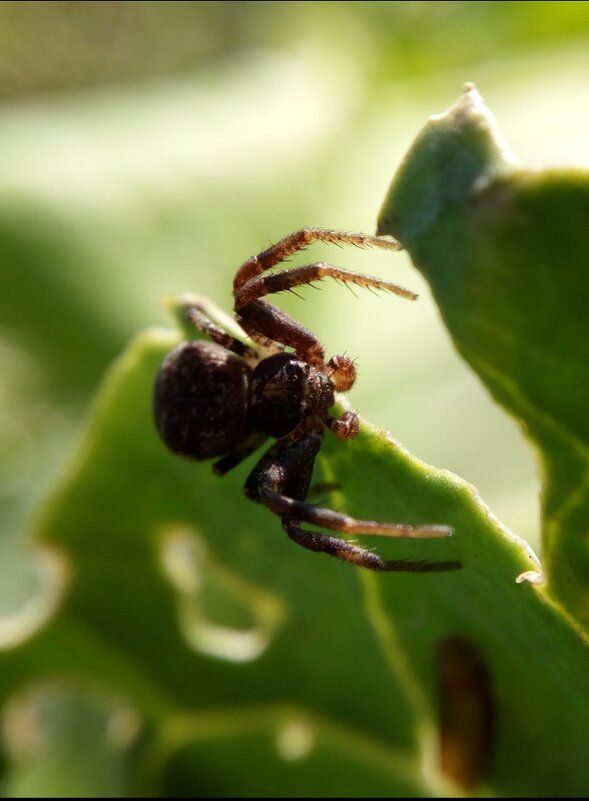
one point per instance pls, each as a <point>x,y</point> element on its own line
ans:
<point>202,400</point>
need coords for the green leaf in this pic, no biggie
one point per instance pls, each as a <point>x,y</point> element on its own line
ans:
<point>505,249</point>
<point>200,652</point>
<point>258,668</point>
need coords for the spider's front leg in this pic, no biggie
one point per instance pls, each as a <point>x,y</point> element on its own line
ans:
<point>267,325</point>
<point>299,240</point>
<point>264,322</point>
<point>281,481</point>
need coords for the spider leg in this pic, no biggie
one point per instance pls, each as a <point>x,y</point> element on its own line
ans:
<point>345,427</point>
<point>281,480</point>
<point>298,241</point>
<point>244,449</point>
<point>268,325</point>
<point>321,488</point>
<point>361,557</point>
<point>264,322</point>
<point>197,314</point>
<point>261,285</point>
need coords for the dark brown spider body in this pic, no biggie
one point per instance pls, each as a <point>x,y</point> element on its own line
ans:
<point>285,391</point>
<point>202,400</point>
<point>208,399</point>
<point>223,399</point>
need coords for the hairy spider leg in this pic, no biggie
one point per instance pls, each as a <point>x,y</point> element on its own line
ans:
<point>280,481</point>
<point>268,325</point>
<point>345,427</point>
<point>196,313</point>
<point>299,240</point>
<point>235,457</point>
<point>362,557</point>
<point>262,285</point>
<point>263,322</point>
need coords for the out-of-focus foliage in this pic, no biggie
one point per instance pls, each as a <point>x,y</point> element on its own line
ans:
<point>56,45</point>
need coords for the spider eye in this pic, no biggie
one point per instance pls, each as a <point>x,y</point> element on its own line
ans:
<point>295,372</point>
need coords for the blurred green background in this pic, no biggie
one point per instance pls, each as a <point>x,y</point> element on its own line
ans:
<point>147,148</point>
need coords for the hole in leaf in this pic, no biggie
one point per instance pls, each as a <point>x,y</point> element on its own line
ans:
<point>295,740</point>
<point>63,739</point>
<point>466,711</point>
<point>220,614</point>
<point>46,573</point>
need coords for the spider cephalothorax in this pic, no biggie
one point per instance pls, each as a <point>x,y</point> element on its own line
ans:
<point>222,399</point>
<point>286,390</point>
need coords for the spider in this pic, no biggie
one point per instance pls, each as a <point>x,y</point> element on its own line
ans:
<point>223,399</point>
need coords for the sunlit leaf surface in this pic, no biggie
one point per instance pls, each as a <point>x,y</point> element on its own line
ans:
<point>248,666</point>
<point>505,249</point>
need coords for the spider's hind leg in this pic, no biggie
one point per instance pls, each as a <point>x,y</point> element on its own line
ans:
<point>281,481</point>
<point>196,311</point>
<point>241,451</point>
